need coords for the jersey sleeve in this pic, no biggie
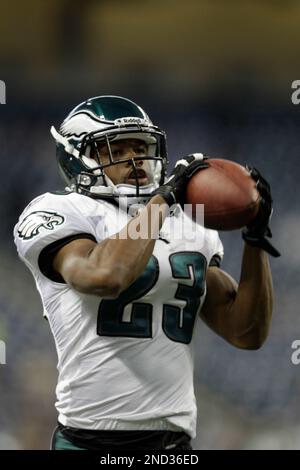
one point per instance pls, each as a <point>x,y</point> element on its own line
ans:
<point>50,222</point>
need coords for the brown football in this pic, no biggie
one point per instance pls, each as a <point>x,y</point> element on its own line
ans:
<point>229,194</point>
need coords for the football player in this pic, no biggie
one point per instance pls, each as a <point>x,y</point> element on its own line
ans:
<point>123,309</point>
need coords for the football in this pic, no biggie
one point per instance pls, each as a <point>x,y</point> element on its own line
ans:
<point>229,194</point>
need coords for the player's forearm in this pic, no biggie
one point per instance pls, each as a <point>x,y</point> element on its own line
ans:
<point>251,310</point>
<point>126,255</point>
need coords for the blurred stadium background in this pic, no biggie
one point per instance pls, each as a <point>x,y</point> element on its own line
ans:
<point>217,77</point>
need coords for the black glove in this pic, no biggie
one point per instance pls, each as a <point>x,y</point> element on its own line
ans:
<point>256,232</point>
<point>173,191</point>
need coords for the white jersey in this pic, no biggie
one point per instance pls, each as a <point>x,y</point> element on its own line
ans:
<point>125,363</point>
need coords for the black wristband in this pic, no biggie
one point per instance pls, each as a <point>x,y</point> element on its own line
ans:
<point>260,242</point>
<point>167,193</point>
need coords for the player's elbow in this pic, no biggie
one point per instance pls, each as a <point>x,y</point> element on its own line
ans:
<point>253,345</point>
<point>101,284</point>
<point>258,338</point>
<point>111,291</point>
<point>253,340</point>
<point>259,331</point>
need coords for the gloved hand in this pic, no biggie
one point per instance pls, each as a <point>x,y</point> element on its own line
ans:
<point>173,191</point>
<point>256,232</point>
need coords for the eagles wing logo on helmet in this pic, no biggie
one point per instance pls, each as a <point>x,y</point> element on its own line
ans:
<point>36,221</point>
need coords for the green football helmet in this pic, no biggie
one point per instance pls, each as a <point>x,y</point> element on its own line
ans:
<point>105,120</point>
